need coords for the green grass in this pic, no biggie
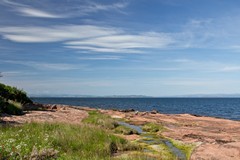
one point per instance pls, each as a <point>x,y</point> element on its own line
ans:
<point>152,127</point>
<point>124,130</point>
<point>102,120</point>
<point>106,122</point>
<point>95,139</point>
<point>155,146</point>
<point>138,156</point>
<point>185,148</point>
<point>59,140</point>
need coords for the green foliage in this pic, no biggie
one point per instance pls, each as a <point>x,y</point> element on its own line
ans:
<point>12,107</point>
<point>2,103</point>
<point>59,140</point>
<point>152,127</point>
<point>12,93</point>
<point>12,99</point>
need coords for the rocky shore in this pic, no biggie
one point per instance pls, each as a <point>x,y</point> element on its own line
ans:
<point>214,138</point>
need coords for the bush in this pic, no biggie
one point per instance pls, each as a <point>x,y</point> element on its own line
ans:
<point>13,108</point>
<point>2,104</point>
<point>12,93</point>
<point>10,107</point>
<point>12,99</point>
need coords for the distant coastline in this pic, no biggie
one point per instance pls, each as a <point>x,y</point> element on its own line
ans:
<point>137,96</point>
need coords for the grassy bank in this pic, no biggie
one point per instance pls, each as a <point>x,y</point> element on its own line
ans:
<point>106,122</point>
<point>61,141</point>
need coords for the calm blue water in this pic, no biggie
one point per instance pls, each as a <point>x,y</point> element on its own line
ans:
<point>228,108</point>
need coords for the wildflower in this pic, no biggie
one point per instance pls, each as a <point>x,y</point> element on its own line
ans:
<point>18,147</point>
<point>11,140</point>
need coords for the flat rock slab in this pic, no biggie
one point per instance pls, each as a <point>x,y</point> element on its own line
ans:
<point>216,139</point>
<point>229,151</point>
<point>62,115</point>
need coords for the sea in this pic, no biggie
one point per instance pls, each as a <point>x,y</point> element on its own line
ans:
<point>227,108</point>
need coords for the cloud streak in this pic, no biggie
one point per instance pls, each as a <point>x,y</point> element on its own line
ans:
<point>102,39</point>
<point>45,65</point>
<point>27,10</point>
<point>31,12</point>
<point>93,7</point>
<point>102,58</point>
<point>89,37</point>
<point>230,69</point>
<point>71,9</point>
<point>124,42</point>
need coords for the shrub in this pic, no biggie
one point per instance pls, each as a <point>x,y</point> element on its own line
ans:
<point>12,93</point>
<point>13,108</point>
<point>12,99</point>
<point>2,104</point>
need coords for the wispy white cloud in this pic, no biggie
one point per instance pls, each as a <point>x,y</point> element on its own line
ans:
<point>207,66</point>
<point>159,69</point>
<point>187,66</point>
<point>27,10</point>
<point>201,82</point>
<point>101,58</point>
<point>197,33</point>
<point>31,12</point>
<point>89,37</point>
<point>103,49</point>
<point>55,33</point>
<point>12,3</point>
<point>218,33</point>
<point>230,69</point>
<point>124,42</point>
<point>64,10</point>
<point>181,60</point>
<point>95,7</point>
<point>17,73</point>
<point>45,65</point>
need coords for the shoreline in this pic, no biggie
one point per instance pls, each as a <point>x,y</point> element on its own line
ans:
<point>214,137</point>
<point>224,108</point>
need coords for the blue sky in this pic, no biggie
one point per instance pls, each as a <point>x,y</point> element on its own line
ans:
<point>121,47</point>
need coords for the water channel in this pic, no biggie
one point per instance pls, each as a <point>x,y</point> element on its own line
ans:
<point>155,141</point>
